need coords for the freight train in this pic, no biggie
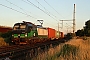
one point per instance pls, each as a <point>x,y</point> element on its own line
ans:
<point>29,33</point>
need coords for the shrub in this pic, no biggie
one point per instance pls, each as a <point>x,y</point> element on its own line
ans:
<point>68,49</point>
<point>7,36</point>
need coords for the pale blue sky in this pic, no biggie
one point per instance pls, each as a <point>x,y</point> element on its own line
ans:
<point>64,8</point>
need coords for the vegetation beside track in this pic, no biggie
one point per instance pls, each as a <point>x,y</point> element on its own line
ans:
<point>74,49</point>
<point>5,38</point>
<point>2,42</point>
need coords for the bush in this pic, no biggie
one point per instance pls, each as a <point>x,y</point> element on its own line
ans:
<point>7,36</point>
<point>68,49</point>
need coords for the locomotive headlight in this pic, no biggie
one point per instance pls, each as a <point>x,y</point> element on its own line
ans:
<point>12,35</point>
<point>18,34</point>
<point>25,34</point>
<point>12,41</point>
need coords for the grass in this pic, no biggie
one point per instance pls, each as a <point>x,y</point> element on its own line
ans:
<point>68,50</point>
<point>2,42</point>
<point>75,49</point>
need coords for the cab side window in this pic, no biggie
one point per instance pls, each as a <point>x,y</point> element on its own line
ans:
<point>29,28</point>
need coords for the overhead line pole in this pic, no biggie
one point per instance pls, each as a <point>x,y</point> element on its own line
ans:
<point>65,20</point>
<point>71,20</point>
<point>74,20</point>
<point>58,30</point>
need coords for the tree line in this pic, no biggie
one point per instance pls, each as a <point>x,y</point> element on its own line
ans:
<point>85,31</point>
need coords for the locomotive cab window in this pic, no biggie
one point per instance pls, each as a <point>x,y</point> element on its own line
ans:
<point>22,27</point>
<point>16,27</point>
<point>29,28</point>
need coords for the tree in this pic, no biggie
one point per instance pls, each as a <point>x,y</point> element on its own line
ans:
<point>87,25</point>
<point>80,33</point>
<point>7,36</point>
<point>69,35</point>
<point>85,31</point>
<point>87,28</point>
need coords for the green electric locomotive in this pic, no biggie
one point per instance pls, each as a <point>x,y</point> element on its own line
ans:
<point>22,32</point>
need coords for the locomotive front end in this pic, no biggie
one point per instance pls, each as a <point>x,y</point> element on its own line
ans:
<point>24,33</point>
<point>19,34</point>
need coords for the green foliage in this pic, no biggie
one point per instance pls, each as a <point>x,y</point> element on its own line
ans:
<point>80,33</point>
<point>7,36</point>
<point>87,24</point>
<point>85,31</point>
<point>51,57</point>
<point>7,40</point>
<point>68,49</point>
<point>69,36</point>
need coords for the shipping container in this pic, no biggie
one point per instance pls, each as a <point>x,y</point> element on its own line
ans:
<point>57,34</point>
<point>62,34</point>
<point>51,33</point>
<point>4,29</point>
<point>42,32</point>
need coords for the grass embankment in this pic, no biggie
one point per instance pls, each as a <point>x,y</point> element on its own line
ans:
<point>2,42</point>
<point>75,49</point>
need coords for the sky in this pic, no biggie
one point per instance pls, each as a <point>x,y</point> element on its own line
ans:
<point>50,11</point>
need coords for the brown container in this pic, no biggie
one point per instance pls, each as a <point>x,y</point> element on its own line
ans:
<point>51,33</point>
<point>5,29</point>
<point>62,35</point>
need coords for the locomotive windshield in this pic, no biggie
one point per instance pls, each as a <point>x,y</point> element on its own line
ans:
<point>19,27</point>
<point>22,26</point>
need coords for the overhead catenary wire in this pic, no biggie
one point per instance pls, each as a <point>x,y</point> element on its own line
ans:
<point>53,8</point>
<point>17,11</point>
<point>30,3</point>
<point>34,6</point>
<point>45,8</point>
<point>41,10</point>
<point>20,8</point>
<point>17,6</point>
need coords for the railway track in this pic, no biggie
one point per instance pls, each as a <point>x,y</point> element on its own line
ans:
<point>8,51</point>
<point>18,50</point>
